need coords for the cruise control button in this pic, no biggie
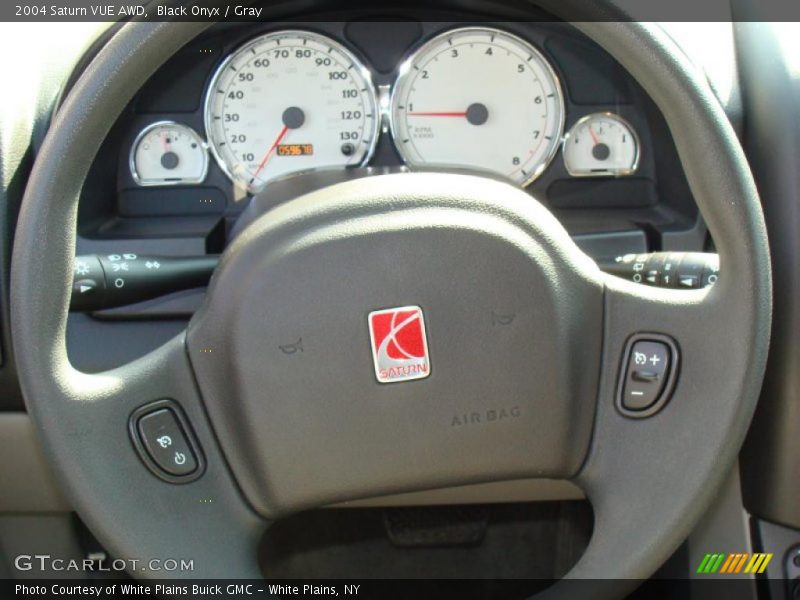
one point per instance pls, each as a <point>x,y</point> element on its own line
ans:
<point>645,374</point>
<point>166,443</point>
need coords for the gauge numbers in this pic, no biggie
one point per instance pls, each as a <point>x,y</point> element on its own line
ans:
<point>601,144</point>
<point>290,101</point>
<point>478,98</point>
<point>168,153</point>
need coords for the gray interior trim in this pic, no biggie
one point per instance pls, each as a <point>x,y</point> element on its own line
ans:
<point>29,535</point>
<point>26,478</point>
<point>771,456</point>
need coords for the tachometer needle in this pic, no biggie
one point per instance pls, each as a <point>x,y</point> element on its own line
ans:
<point>437,114</point>
<point>476,114</point>
<point>271,151</point>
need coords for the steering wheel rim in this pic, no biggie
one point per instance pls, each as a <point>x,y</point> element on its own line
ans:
<point>82,419</point>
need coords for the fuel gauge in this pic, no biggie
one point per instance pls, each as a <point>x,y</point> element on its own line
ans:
<point>601,145</point>
<point>168,153</point>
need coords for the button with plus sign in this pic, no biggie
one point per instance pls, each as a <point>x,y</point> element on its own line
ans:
<point>646,374</point>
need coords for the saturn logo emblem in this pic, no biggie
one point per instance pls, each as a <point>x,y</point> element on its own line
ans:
<point>399,344</point>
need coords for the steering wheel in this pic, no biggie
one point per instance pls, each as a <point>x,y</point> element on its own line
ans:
<point>274,376</point>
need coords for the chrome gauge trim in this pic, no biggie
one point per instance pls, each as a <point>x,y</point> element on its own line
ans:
<point>408,62</point>
<point>166,123</point>
<point>318,37</point>
<point>608,115</point>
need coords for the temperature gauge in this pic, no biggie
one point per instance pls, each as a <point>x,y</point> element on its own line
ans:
<point>601,144</point>
<point>168,153</point>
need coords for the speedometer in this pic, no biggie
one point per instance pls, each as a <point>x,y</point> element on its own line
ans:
<point>478,98</point>
<point>290,101</point>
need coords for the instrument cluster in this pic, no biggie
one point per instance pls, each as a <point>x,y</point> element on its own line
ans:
<point>294,100</point>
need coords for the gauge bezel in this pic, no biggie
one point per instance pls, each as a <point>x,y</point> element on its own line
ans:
<point>359,65</point>
<point>608,115</point>
<point>141,135</point>
<point>405,70</point>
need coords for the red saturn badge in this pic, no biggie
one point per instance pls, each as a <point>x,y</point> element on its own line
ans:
<point>399,345</point>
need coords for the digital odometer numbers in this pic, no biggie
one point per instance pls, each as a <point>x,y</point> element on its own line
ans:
<point>478,98</point>
<point>290,101</point>
<point>295,149</point>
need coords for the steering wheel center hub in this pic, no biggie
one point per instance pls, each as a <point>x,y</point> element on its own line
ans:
<point>354,330</point>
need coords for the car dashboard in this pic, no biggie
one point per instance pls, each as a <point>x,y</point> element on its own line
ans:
<point>246,106</point>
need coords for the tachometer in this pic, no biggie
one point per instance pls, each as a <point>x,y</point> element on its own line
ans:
<point>478,98</point>
<point>290,101</point>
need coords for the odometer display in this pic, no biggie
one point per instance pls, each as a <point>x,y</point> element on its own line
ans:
<point>295,149</point>
<point>290,101</point>
<point>478,98</point>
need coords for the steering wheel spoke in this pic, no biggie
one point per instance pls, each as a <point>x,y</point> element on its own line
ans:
<point>172,520</point>
<point>650,475</point>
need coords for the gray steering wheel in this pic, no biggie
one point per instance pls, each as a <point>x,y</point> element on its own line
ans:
<point>278,432</point>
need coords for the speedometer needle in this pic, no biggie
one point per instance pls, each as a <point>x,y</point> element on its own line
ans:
<point>271,150</point>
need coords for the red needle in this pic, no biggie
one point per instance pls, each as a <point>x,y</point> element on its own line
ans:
<point>268,155</point>
<point>594,137</point>
<point>437,114</point>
